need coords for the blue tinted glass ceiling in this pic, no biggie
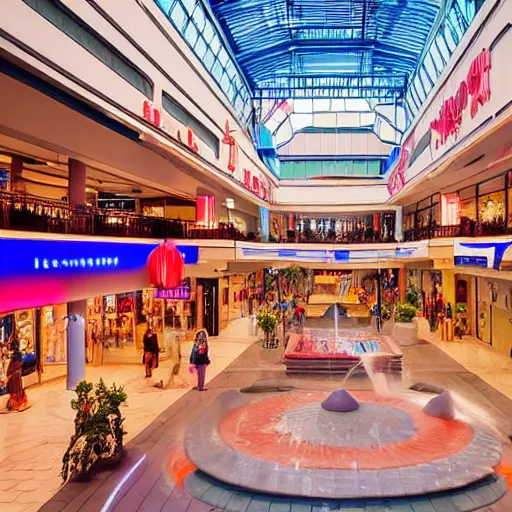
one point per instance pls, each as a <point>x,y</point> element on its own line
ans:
<point>311,48</point>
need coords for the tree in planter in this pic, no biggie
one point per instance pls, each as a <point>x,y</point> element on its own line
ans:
<point>412,297</point>
<point>405,313</point>
<point>405,330</point>
<point>267,322</point>
<point>98,429</point>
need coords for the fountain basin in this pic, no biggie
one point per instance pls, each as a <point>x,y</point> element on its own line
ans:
<point>222,496</point>
<point>284,445</point>
<point>320,351</point>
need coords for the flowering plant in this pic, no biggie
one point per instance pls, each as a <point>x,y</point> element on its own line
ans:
<point>98,429</point>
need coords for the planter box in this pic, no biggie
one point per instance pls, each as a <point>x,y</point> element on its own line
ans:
<point>387,327</point>
<point>405,334</point>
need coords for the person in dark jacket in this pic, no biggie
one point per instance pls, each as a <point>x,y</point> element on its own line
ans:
<point>151,350</point>
<point>200,358</point>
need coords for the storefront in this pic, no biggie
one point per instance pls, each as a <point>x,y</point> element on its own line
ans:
<point>255,291</point>
<point>41,277</point>
<point>493,304</point>
<point>347,228</point>
<point>480,209</point>
<point>116,324</point>
<point>42,337</point>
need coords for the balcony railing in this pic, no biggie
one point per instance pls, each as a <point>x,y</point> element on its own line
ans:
<point>29,213</point>
<point>467,228</point>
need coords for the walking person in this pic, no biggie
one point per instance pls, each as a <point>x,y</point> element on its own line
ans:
<point>151,351</point>
<point>200,358</point>
<point>18,400</point>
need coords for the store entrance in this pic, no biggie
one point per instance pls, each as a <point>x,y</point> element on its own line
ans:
<point>210,305</point>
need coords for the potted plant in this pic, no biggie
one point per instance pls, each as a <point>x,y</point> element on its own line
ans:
<point>98,437</point>
<point>405,330</point>
<point>267,322</point>
<point>412,297</point>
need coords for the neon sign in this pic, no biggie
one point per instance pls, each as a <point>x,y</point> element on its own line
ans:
<point>151,114</point>
<point>478,86</point>
<point>233,148</point>
<point>179,293</point>
<point>255,185</point>
<point>397,179</point>
<point>65,263</point>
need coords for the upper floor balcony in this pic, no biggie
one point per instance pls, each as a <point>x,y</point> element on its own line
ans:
<point>33,214</point>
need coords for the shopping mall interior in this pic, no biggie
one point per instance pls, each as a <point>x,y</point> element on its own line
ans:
<point>255,255</point>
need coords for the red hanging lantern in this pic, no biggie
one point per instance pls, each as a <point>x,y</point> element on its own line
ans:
<point>165,266</point>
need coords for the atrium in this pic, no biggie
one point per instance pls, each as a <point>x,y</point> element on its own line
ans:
<point>255,255</point>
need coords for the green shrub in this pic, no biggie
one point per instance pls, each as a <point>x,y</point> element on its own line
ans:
<point>99,429</point>
<point>267,321</point>
<point>461,308</point>
<point>405,313</point>
<point>412,297</point>
<point>385,312</point>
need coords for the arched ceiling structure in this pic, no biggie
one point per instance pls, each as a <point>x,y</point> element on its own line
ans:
<point>327,48</point>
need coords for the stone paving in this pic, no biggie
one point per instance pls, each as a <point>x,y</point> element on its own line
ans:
<point>476,357</point>
<point>141,482</point>
<point>32,443</point>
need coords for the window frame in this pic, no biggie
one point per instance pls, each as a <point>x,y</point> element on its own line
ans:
<point>148,91</point>
<point>236,92</point>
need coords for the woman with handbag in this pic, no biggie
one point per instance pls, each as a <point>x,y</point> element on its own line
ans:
<point>200,358</point>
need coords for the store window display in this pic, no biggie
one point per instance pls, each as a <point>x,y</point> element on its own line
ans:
<point>94,331</point>
<point>491,205</point>
<point>125,321</point>
<point>53,334</point>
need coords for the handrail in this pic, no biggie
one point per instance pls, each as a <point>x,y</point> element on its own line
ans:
<point>29,213</point>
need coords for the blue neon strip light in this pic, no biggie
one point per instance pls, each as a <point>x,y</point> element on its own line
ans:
<point>59,257</point>
<point>471,261</point>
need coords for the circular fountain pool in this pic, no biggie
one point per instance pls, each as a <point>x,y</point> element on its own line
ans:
<point>288,445</point>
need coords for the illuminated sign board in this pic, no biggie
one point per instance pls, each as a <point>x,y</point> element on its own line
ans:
<point>474,92</point>
<point>58,257</point>
<point>65,263</point>
<point>179,293</point>
<point>471,261</point>
<point>189,253</point>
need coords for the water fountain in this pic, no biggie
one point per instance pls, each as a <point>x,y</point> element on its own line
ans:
<point>323,349</point>
<point>307,448</point>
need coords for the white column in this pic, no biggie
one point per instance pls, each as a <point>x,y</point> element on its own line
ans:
<point>76,343</point>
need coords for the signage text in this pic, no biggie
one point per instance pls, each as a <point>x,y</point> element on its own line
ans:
<point>477,86</point>
<point>179,293</point>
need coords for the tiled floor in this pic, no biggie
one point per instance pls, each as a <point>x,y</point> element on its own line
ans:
<point>148,488</point>
<point>32,443</point>
<point>477,357</point>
